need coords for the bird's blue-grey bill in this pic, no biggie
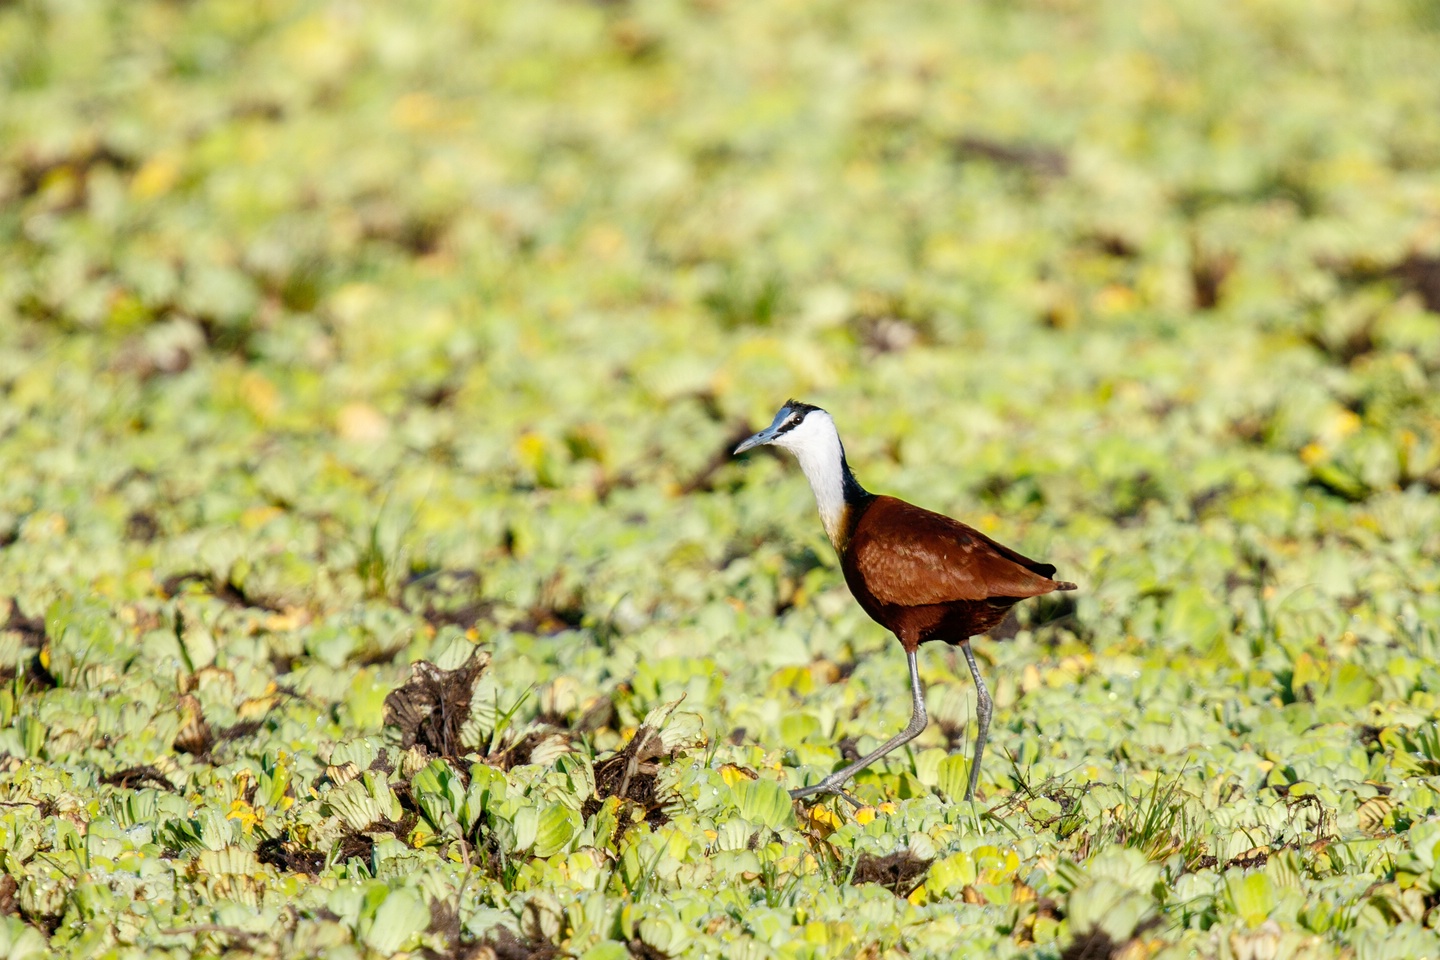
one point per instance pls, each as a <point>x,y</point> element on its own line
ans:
<point>764,436</point>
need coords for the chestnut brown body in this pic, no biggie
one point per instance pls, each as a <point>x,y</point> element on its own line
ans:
<point>924,576</point>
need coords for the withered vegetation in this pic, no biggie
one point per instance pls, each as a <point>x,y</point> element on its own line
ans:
<point>132,777</point>
<point>431,708</point>
<point>500,943</point>
<point>631,775</point>
<point>900,872</point>
<point>290,856</point>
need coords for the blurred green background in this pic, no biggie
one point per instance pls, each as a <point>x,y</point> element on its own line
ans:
<point>336,336</point>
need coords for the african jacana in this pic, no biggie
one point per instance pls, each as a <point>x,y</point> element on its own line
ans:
<point>919,574</point>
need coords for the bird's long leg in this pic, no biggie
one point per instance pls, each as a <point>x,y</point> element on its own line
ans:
<point>983,707</point>
<point>833,783</point>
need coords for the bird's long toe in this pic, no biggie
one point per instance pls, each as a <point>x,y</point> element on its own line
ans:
<point>823,787</point>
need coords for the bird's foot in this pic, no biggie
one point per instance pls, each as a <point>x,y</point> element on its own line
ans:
<point>826,786</point>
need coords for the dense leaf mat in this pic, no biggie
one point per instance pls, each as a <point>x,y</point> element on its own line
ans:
<point>366,376</point>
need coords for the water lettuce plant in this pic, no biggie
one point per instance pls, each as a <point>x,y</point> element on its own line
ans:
<point>375,580</point>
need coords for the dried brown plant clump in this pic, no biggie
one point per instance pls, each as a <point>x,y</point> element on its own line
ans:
<point>900,872</point>
<point>499,943</point>
<point>290,856</point>
<point>631,773</point>
<point>132,778</point>
<point>431,708</point>
<point>195,736</point>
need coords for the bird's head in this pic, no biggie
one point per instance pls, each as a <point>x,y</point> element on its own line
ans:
<point>797,426</point>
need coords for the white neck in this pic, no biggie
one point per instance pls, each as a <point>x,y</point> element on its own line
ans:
<point>816,444</point>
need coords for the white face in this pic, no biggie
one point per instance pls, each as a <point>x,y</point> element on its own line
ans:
<point>810,435</point>
<point>815,434</point>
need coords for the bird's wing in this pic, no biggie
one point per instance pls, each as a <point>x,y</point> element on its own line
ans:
<point>912,557</point>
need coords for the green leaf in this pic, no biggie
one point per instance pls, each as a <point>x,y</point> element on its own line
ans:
<point>556,825</point>
<point>765,802</point>
<point>399,918</point>
<point>1251,897</point>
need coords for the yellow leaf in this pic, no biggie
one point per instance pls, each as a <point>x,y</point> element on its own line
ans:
<point>361,423</point>
<point>256,517</point>
<point>415,111</point>
<point>260,395</point>
<point>732,774</point>
<point>246,814</point>
<point>157,176</point>
<point>824,819</point>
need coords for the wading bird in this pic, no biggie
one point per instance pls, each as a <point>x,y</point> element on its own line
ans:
<point>919,574</point>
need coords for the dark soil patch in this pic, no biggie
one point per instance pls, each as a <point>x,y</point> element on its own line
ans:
<point>1113,245</point>
<point>1417,273</point>
<point>1422,275</point>
<point>432,706</point>
<point>1030,158</point>
<point>507,946</point>
<point>32,635</point>
<point>446,598</point>
<point>35,172</point>
<point>400,828</point>
<point>31,629</point>
<point>1094,944</point>
<point>195,737</point>
<point>142,526</point>
<point>290,856</point>
<point>900,872</point>
<point>356,845</point>
<point>132,777</point>
<point>1347,348</point>
<point>1249,860</point>
<point>560,608</point>
<point>373,656</point>
<point>1208,273</point>
<point>239,730</point>
<point>499,943</point>
<point>37,677</point>
<point>641,950</point>
<point>1007,629</point>
<point>8,889</point>
<point>227,590</point>
<point>518,753</point>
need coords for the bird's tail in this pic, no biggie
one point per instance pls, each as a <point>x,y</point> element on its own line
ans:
<point>1065,585</point>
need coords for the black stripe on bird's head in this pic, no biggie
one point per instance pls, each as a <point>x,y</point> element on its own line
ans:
<point>791,415</point>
